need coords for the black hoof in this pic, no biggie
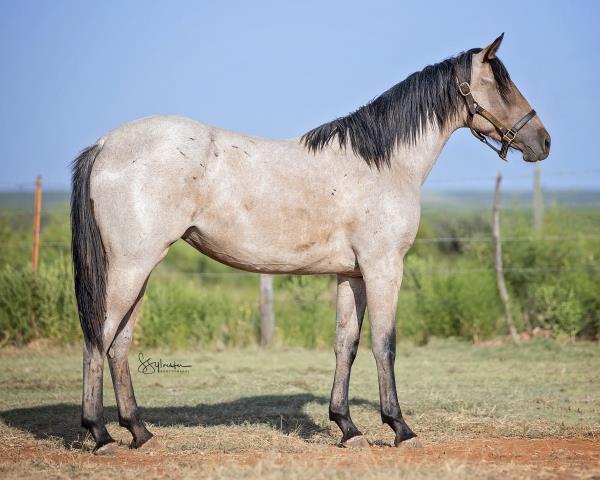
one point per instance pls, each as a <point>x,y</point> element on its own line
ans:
<point>141,440</point>
<point>105,449</point>
<point>357,441</point>
<point>349,430</point>
<point>407,439</point>
<point>401,429</point>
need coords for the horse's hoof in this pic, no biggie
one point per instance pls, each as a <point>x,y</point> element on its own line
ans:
<point>106,450</point>
<point>413,442</point>
<point>356,442</point>
<point>148,443</point>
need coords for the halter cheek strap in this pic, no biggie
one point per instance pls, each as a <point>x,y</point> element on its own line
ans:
<point>507,134</point>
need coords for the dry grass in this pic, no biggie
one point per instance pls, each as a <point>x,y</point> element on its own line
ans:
<point>263,414</point>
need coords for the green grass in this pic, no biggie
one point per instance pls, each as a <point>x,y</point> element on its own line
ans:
<point>535,389</point>
<point>268,403</point>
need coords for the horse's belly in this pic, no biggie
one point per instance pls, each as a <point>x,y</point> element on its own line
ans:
<point>278,254</point>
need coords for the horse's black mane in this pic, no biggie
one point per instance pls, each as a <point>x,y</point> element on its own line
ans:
<point>402,113</point>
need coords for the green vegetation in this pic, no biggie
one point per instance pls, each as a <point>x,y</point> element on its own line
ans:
<point>449,287</point>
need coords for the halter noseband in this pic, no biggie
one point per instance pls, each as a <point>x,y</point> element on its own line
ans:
<point>507,134</point>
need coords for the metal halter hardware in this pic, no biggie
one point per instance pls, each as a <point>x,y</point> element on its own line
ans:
<point>507,134</point>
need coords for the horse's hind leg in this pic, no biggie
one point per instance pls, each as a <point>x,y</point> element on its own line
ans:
<point>351,303</point>
<point>92,416</point>
<point>125,281</point>
<point>119,368</point>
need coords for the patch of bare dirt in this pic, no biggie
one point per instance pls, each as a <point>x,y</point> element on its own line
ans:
<point>555,453</point>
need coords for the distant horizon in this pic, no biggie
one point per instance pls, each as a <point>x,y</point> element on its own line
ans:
<point>425,191</point>
<point>515,184</point>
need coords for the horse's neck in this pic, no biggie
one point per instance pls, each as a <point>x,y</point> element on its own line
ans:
<point>416,161</point>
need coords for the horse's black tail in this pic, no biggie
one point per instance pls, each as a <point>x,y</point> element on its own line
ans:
<point>89,256</point>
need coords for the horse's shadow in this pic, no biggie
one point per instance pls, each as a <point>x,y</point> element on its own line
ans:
<point>285,413</point>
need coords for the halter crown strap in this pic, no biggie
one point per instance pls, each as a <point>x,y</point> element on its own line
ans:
<point>507,134</point>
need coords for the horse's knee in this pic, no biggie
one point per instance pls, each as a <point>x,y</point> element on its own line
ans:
<point>346,350</point>
<point>383,352</point>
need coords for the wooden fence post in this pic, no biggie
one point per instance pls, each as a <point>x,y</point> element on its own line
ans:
<point>37,210</point>
<point>498,260</point>
<point>267,319</point>
<point>538,200</point>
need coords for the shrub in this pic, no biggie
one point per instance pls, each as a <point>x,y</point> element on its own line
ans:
<point>556,282</point>
<point>38,306</point>
<point>305,311</point>
<point>449,305</point>
<point>181,313</point>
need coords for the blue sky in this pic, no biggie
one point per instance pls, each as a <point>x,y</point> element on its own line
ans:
<point>72,70</point>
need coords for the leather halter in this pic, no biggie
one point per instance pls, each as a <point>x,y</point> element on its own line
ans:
<point>474,108</point>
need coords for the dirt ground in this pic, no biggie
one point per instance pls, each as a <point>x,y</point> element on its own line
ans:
<point>477,458</point>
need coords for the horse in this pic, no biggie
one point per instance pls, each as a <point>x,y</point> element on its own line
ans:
<point>342,199</point>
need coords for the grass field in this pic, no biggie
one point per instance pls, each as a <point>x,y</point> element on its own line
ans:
<point>528,411</point>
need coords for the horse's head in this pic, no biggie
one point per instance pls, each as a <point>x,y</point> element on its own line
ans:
<point>497,108</point>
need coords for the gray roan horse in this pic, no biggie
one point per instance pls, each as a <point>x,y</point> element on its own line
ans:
<point>343,199</point>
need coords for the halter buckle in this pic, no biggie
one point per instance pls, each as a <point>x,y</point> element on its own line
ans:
<point>509,135</point>
<point>464,88</point>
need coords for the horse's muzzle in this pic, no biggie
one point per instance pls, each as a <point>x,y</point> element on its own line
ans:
<point>539,148</point>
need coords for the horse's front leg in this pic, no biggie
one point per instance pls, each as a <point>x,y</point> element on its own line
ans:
<point>383,281</point>
<point>351,303</point>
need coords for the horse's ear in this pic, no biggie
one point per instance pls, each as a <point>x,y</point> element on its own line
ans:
<point>489,52</point>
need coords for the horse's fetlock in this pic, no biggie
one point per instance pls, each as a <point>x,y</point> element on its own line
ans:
<point>125,422</point>
<point>392,418</point>
<point>91,421</point>
<point>336,414</point>
<point>129,421</point>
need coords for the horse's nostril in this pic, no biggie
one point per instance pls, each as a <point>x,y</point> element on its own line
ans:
<point>547,144</point>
